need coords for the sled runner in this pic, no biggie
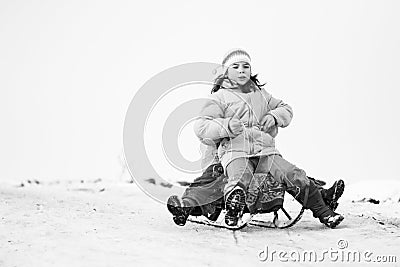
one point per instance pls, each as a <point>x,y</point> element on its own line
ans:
<point>220,222</point>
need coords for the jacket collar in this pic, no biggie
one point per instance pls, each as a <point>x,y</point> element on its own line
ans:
<point>227,83</point>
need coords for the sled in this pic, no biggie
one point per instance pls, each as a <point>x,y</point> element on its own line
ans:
<point>281,219</point>
<point>269,199</point>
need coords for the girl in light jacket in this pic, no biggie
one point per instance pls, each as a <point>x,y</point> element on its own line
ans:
<point>243,119</point>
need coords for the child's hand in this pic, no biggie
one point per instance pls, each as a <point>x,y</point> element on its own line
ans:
<point>267,122</point>
<point>236,126</point>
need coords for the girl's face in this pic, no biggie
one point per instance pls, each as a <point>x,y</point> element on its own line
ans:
<point>239,72</point>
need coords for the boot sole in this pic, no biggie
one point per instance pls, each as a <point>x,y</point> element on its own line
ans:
<point>175,208</point>
<point>234,207</point>
<point>339,189</point>
<point>334,224</point>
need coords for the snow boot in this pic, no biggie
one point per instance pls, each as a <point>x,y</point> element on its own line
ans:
<point>180,212</point>
<point>332,194</point>
<point>212,210</point>
<point>235,203</point>
<point>332,220</point>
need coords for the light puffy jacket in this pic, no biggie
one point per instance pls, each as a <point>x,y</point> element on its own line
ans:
<point>250,108</point>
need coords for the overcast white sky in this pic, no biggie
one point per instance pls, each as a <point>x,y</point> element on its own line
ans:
<point>69,69</point>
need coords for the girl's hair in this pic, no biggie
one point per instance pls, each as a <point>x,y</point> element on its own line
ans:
<point>218,82</point>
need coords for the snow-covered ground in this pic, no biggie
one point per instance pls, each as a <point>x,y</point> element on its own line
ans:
<point>382,190</point>
<point>98,223</point>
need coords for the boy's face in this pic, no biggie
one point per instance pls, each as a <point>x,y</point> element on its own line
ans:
<point>239,72</point>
